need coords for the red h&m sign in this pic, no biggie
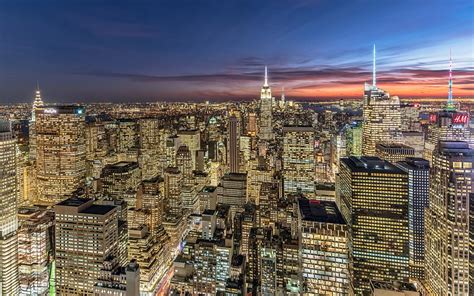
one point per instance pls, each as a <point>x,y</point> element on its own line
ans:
<point>460,118</point>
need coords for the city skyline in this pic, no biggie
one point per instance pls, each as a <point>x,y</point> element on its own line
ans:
<point>126,53</point>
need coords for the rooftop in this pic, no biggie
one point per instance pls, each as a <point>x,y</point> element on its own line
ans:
<point>370,164</point>
<point>320,211</point>
<point>98,209</point>
<point>393,286</point>
<point>414,163</point>
<point>455,148</point>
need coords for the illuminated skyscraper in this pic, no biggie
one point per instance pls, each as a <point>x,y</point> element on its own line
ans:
<point>148,143</point>
<point>374,202</point>
<point>61,152</point>
<point>233,144</point>
<point>184,162</point>
<point>34,250</point>
<point>265,131</point>
<point>418,184</point>
<point>37,103</point>
<point>354,139</point>
<point>447,219</point>
<point>8,212</point>
<point>232,191</point>
<point>86,235</point>
<point>382,119</point>
<point>173,182</point>
<point>121,180</point>
<point>252,124</point>
<point>127,139</point>
<point>324,253</point>
<point>192,139</point>
<point>298,159</point>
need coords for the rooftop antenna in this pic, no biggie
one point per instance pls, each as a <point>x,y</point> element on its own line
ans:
<point>450,104</point>
<point>374,77</point>
<point>266,77</point>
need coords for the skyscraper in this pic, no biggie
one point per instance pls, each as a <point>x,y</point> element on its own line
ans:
<point>298,159</point>
<point>86,235</point>
<point>8,212</point>
<point>447,219</point>
<point>266,128</point>
<point>148,143</point>
<point>418,185</point>
<point>37,103</point>
<point>374,202</point>
<point>184,162</point>
<point>61,152</point>
<point>382,119</point>
<point>354,139</point>
<point>34,250</point>
<point>449,124</point>
<point>173,182</point>
<point>324,254</point>
<point>233,144</point>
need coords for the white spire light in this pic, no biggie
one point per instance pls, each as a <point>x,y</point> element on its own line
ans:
<point>266,77</point>
<point>374,78</point>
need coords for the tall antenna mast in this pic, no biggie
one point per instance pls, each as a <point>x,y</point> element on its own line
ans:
<point>266,77</point>
<point>374,79</point>
<point>450,104</point>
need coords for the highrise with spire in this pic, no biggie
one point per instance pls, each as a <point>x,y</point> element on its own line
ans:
<point>266,129</point>
<point>449,124</point>
<point>382,119</point>
<point>37,103</point>
<point>450,105</point>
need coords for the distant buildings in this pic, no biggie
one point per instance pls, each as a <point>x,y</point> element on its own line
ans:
<point>237,198</point>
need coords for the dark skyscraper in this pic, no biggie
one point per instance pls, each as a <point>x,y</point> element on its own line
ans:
<point>418,170</point>
<point>234,150</point>
<point>374,202</point>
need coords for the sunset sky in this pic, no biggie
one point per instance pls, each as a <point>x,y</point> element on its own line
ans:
<point>184,50</point>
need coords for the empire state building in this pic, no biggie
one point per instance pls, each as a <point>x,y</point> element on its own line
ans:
<point>266,129</point>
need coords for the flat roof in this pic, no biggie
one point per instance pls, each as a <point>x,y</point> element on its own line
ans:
<point>370,164</point>
<point>320,211</point>
<point>74,202</point>
<point>98,209</point>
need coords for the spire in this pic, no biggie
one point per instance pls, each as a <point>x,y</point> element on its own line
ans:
<point>374,79</point>
<point>266,77</point>
<point>38,102</point>
<point>283,93</point>
<point>450,104</point>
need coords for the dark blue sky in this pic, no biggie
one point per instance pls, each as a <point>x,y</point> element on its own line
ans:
<point>150,50</point>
